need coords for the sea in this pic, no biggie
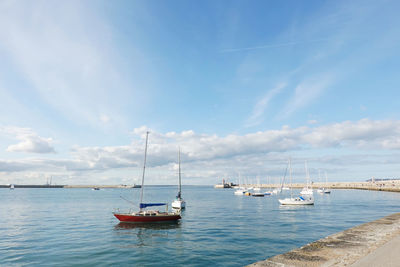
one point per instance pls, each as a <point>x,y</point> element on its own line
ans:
<point>76,227</point>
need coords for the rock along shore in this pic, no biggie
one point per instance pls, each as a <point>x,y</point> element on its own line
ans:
<point>377,241</point>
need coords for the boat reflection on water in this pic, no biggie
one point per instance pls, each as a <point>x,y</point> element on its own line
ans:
<point>295,207</point>
<point>134,235</point>
<point>154,226</point>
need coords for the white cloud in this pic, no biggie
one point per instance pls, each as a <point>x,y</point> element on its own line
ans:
<point>30,141</point>
<point>306,92</point>
<point>206,157</point>
<point>259,109</point>
<point>162,150</point>
<point>364,133</point>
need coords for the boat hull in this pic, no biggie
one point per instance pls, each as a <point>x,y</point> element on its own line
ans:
<point>134,218</point>
<point>296,201</point>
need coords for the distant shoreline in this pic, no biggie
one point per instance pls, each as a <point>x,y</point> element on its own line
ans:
<point>386,185</point>
<point>65,186</point>
<point>80,186</point>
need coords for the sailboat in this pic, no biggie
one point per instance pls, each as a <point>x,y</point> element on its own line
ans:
<point>269,192</point>
<point>179,203</point>
<point>307,190</point>
<point>320,189</point>
<point>241,190</point>
<point>147,216</point>
<point>325,190</point>
<point>12,187</point>
<point>301,200</point>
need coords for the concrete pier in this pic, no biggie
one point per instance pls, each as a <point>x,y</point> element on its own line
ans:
<point>69,186</point>
<point>388,185</point>
<point>375,243</point>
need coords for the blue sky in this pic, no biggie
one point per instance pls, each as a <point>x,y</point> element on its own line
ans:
<point>241,86</point>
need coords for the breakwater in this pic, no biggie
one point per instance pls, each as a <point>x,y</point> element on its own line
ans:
<point>345,248</point>
<point>66,186</point>
<point>389,185</point>
<point>32,186</point>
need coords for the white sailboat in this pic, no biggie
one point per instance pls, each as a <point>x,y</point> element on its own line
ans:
<point>257,187</point>
<point>326,190</point>
<point>320,189</point>
<point>307,190</point>
<point>179,203</point>
<point>301,200</point>
<point>269,192</point>
<point>241,190</point>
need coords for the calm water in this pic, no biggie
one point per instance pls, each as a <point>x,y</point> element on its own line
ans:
<point>75,227</point>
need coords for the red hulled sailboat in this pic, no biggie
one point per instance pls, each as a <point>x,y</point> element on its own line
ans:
<point>148,216</point>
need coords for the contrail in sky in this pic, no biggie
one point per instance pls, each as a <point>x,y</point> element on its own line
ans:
<point>271,46</point>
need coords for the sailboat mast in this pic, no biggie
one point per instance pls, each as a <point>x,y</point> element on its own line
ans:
<point>179,159</point>
<point>307,174</point>
<point>144,168</point>
<point>290,174</point>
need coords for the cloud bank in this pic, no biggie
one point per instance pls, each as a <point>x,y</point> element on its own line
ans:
<point>210,156</point>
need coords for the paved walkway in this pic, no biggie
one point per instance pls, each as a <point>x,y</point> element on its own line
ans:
<point>375,243</point>
<point>387,255</point>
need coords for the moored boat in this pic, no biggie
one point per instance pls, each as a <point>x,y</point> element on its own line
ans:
<point>307,190</point>
<point>179,203</point>
<point>147,216</point>
<point>240,192</point>
<point>301,200</point>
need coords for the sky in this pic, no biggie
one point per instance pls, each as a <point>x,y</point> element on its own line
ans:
<point>240,87</point>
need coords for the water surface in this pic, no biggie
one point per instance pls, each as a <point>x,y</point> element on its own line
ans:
<point>75,227</point>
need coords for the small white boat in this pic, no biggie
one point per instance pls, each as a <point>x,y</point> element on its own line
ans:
<point>240,192</point>
<point>324,191</point>
<point>179,203</point>
<point>257,194</point>
<point>301,200</point>
<point>297,201</point>
<point>327,191</point>
<point>307,190</point>
<point>12,187</point>
<point>276,191</point>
